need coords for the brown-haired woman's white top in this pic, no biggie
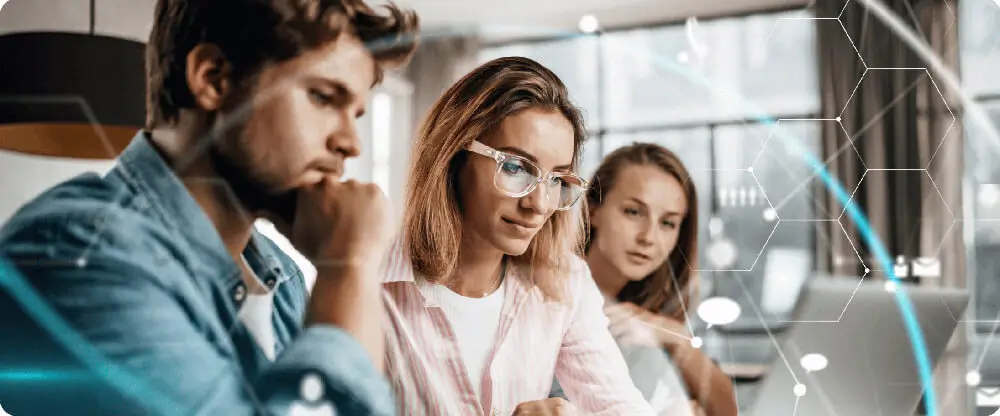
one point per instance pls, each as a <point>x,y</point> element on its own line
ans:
<point>535,341</point>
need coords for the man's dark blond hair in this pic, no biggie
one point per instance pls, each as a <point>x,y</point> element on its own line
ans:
<point>254,33</point>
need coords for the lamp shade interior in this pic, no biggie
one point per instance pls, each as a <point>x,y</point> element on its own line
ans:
<point>69,94</point>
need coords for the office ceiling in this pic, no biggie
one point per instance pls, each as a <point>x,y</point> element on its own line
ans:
<point>495,19</point>
<point>518,18</point>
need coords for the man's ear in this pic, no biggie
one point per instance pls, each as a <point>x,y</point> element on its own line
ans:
<point>208,76</point>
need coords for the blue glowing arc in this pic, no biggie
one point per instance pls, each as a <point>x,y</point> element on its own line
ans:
<point>913,331</point>
<point>138,388</point>
<point>95,361</point>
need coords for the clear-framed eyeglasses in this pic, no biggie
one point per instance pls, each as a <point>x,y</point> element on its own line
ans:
<point>516,177</point>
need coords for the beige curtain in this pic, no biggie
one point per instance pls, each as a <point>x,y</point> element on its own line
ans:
<point>900,130</point>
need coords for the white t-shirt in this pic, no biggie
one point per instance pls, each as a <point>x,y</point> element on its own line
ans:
<point>475,322</point>
<point>257,314</point>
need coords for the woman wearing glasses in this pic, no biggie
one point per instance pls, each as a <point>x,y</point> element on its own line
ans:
<point>485,297</point>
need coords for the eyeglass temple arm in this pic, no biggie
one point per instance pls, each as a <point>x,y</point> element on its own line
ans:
<point>477,147</point>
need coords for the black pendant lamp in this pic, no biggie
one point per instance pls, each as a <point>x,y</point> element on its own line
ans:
<point>74,95</point>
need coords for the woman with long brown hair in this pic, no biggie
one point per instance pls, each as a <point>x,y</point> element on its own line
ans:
<point>486,296</point>
<point>642,249</point>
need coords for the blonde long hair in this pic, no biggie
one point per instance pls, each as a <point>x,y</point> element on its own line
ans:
<point>472,108</point>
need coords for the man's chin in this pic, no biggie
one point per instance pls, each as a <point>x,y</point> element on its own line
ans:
<point>280,209</point>
<point>285,206</point>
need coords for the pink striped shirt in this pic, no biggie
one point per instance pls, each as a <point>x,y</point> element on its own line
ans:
<point>536,340</point>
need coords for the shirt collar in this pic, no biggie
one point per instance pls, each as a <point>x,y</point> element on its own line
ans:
<point>157,187</point>
<point>398,267</point>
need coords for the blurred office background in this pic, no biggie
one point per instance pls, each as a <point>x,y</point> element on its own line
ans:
<point>755,96</point>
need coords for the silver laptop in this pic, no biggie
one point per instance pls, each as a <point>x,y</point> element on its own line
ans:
<point>857,329</point>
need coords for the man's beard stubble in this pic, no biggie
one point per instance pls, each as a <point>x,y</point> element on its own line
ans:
<point>246,184</point>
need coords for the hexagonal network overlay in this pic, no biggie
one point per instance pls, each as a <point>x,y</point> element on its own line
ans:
<point>786,264</point>
<point>104,144</point>
<point>833,309</point>
<point>790,80</point>
<point>742,145</point>
<point>741,229</point>
<point>865,130</point>
<point>858,19</point>
<point>842,44</point>
<point>905,223</point>
<point>788,170</point>
<point>832,12</point>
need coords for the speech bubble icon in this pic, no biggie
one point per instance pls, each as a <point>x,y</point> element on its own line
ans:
<point>719,311</point>
<point>813,362</point>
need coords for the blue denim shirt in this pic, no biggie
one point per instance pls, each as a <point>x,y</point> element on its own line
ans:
<point>130,276</point>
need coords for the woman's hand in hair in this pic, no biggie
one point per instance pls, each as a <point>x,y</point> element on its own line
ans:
<point>633,325</point>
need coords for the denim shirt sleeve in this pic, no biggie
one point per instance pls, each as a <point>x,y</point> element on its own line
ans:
<point>134,311</point>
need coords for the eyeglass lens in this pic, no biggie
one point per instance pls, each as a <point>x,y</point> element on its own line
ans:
<point>517,177</point>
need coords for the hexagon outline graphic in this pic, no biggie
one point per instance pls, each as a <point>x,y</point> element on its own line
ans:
<point>854,247</point>
<point>937,89</point>
<point>944,235</point>
<point>843,209</point>
<point>848,35</point>
<point>762,247</point>
<point>815,172</point>
<point>842,311</point>
<point>934,185</point>
<point>954,120</point>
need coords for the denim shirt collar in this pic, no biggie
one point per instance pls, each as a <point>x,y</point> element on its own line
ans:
<point>159,190</point>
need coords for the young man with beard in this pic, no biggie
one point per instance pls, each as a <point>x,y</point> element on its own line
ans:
<point>156,266</point>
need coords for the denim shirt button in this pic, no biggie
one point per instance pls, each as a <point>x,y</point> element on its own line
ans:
<point>141,203</point>
<point>240,292</point>
<point>270,282</point>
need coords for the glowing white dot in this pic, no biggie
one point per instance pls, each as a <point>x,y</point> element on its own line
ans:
<point>988,195</point>
<point>696,342</point>
<point>867,270</point>
<point>715,226</point>
<point>81,262</point>
<point>750,169</point>
<point>311,388</point>
<point>722,253</point>
<point>890,286</point>
<point>838,119</point>
<point>973,378</point>
<point>799,389</point>
<point>838,260</point>
<point>588,23</point>
<point>682,57</point>
<point>719,310</point>
<point>770,215</point>
<point>813,362</point>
